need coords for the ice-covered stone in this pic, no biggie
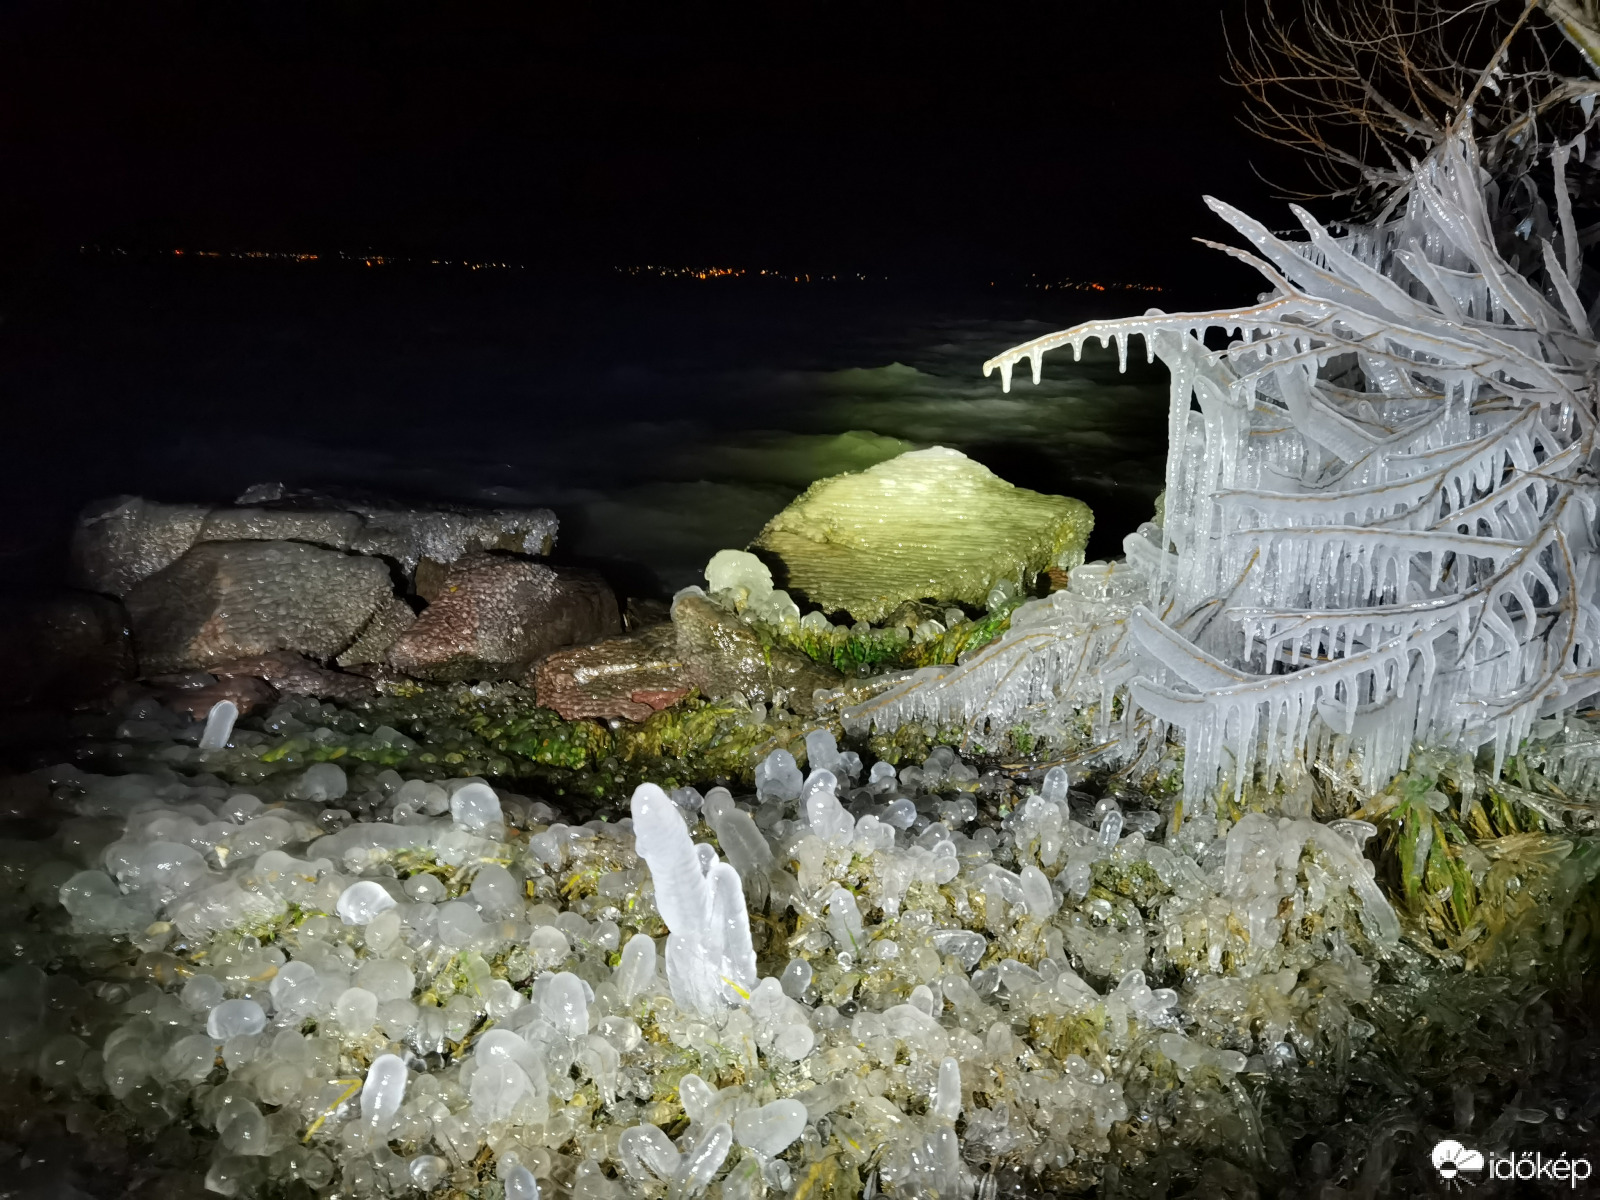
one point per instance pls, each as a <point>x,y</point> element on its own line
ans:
<point>928,524</point>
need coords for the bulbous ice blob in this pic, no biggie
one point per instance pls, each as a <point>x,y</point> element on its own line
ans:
<point>386,978</point>
<point>520,1184</point>
<point>356,1011</point>
<point>1110,830</point>
<point>320,783</point>
<point>772,1128</point>
<point>362,901</point>
<point>459,923</point>
<point>794,1042</point>
<point>796,978</point>
<point>202,993</point>
<point>219,725</point>
<point>476,808</point>
<point>294,987</point>
<point>696,1095</point>
<point>497,1086</point>
<point>496,890</point>
<point>236,1018</point>
<point>778,778</point>
<point>902,814</point>
<point>645,1153</point>
<point>637,970</point>
<point>822,751</point>
<point>704,1160</point>
<point>428,1171</point>
<point>383,1091</point>
<point>566,1006</point>
<point>1056,783</point>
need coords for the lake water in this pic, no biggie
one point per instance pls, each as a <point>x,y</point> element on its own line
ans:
<point>663,420</point>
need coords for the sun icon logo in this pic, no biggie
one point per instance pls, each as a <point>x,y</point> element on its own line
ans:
<point>1453,1160</point>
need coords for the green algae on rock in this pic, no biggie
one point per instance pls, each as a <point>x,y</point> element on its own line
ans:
<point>930,524</point>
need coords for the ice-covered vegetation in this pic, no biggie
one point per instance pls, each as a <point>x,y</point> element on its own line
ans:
<point>923,981</point>
<point>1378,523</point>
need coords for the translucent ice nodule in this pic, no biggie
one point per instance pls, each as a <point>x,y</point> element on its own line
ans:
<point>359,903</point>
<point>219,725</point>
<point>711,961</point>
<point>383,1091</point>
<point>235,1018</point>
<point>520,1184</point>
<point>475,808</point>
<point>772,1128</point>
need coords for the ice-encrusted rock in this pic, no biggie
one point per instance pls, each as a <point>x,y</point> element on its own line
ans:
<point>230,600</point>
<point>495,616</point>
<point>725,656</point>
<point>710,959</point>
<point>120,541</point>
<point>928,524</point>
<point>629,677</point>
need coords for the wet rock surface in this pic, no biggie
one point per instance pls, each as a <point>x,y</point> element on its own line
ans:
<point>628,677</point>
<point>492,617</point>
<point>230,600</point>
<point>725,655</point>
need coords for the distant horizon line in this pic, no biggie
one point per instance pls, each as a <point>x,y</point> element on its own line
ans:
<point>637,271</point>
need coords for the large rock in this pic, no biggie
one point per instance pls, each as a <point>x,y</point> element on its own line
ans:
<point>123,540</point>
<point>493,617</point>
<point>230,600</point>
<point>629,677</point>
<point>120,541</point>
<point>928,525</point>
<point>725,655</point>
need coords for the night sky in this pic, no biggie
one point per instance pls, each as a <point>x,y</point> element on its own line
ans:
<point>934,139</point>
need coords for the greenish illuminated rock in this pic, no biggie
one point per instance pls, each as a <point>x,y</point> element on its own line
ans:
<point>928,525</point>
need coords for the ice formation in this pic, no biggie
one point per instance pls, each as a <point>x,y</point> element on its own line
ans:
<point>859,975</point>
<point>1377,531</point>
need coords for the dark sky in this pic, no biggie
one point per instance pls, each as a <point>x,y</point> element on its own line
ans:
<point>1070,137</point>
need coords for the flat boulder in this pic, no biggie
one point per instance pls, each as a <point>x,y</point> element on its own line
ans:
<point>493,617</point>
<point>628,677</point>
<point>926,525</point>
<point>724,655</point>
<point>225,601</point>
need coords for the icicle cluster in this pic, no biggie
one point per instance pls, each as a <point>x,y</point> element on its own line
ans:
<point>1379,517</point>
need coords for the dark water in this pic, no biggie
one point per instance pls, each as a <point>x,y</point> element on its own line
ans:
<point>662,420</point>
